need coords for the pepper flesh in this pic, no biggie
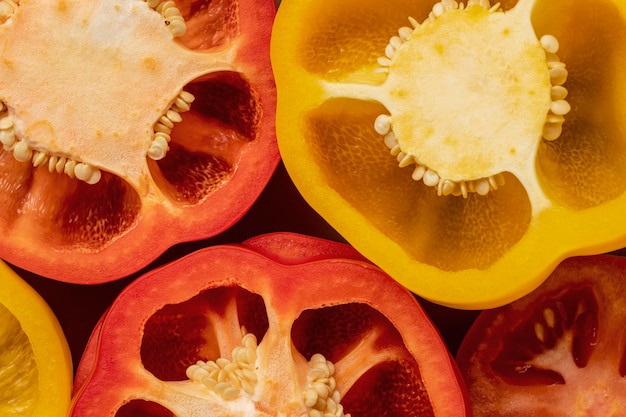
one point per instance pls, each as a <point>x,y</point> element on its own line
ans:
<point>552,196</point>
<point>286,319</point>
<point>35,359</point>
<point>140,128</point>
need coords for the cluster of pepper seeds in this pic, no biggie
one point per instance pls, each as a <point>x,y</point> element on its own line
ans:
<point>175,22</point>
<point>80,170</point>
<point>171,14</point>
<point>558,75</point>
<point>321,396</point>
<point>482,186</point>
<point>163,127</point>
<point>228,378</point>
<point>55,163</point>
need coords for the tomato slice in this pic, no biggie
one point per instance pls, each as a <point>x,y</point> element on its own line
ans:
<point>559,351</point>
<point>302,305</point>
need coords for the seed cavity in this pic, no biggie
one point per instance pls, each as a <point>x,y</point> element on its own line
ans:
<point>172,16</point>
<point>23,152</point>
<point>321,396</point>
<point>163,127</point>
<point>383,124</point>
<point>7,9</point>
<point>228,378</point>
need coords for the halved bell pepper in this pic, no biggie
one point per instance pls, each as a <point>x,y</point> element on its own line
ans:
<point>35,362</point>
<point>129,126</point>
<point>283,324</point>
<point>466,148</point>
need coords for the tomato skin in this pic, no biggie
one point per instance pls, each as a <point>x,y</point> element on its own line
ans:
<point>558,351</point>
<point>294,287</point>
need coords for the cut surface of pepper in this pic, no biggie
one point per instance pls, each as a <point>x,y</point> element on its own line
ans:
<point>264,330</point>
<point>35,361</point>
<point>122,120</point>
<point>464,147</point>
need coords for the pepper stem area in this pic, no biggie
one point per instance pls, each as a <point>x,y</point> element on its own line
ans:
<point>471,93</point>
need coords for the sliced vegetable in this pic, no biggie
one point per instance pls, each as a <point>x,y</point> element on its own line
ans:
<point>35,361</point>
<point>559,351</point>
<point>466,148</point>
<point>127,126</point>
<point>293,330</point>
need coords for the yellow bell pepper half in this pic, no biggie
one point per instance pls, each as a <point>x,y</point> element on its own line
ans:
<point>35,360</point>
<point>465,148</point>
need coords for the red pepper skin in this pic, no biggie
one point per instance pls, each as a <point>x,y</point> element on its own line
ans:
<point>302,282</point>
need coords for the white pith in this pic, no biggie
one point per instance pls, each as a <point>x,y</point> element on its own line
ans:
<point>461,173</point>
<point>234,380</point>
<point>95,53</point>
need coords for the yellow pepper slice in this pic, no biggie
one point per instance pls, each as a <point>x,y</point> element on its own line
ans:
<point>466,148</point>
<point>35,360</point>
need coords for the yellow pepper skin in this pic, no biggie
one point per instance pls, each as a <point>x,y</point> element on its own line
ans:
<point>35,357</point>
<point>527,171</point>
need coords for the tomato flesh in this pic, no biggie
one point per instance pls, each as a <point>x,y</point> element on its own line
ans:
<point>558,351</point>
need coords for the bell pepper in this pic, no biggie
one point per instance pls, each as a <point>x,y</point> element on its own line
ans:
<point>557,351</point>
<point>129,126</point>
<point>464,148</point>
<point>283,324</point>
<point>35,360</point>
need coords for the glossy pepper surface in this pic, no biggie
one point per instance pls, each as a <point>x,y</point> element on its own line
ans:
<point>35,361</point>
<point>128,126</point>
<point>283,324</point>
<point>465,148</point>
